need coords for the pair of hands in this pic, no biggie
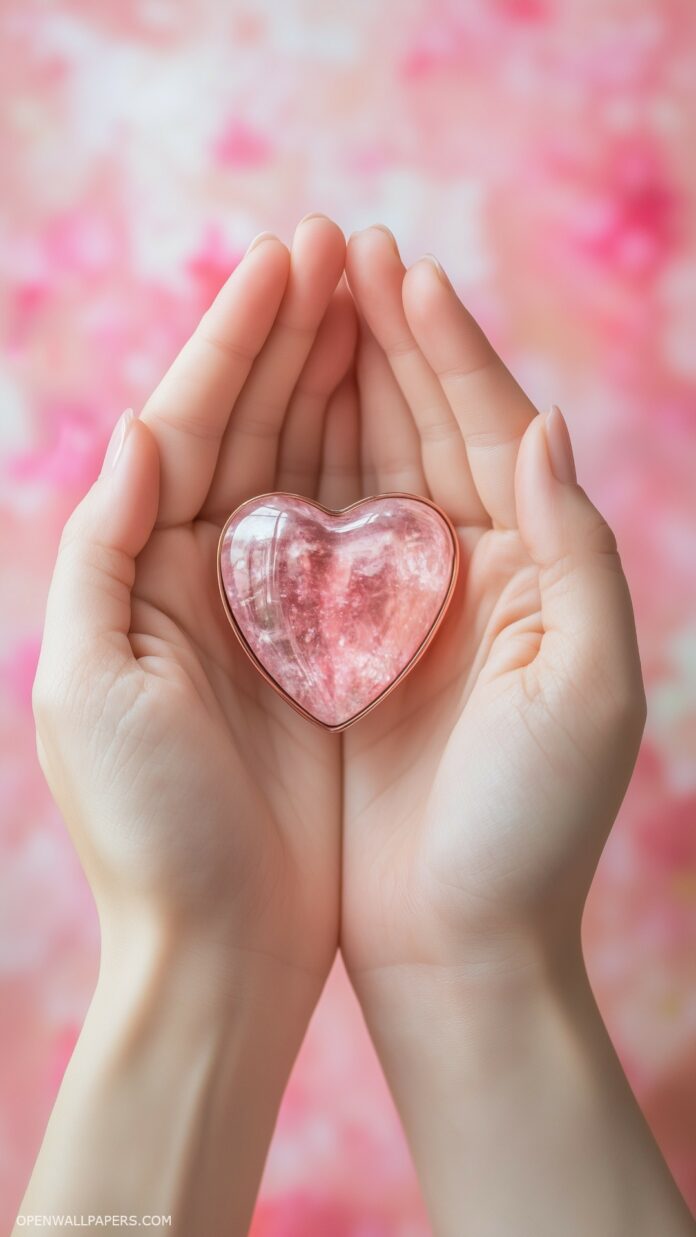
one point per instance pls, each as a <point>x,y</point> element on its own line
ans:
<point>447,840</point>
<point>471,805</point>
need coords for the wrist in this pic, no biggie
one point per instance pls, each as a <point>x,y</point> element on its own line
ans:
<point>151,963</point>
<point>470,986</point>
<point>169,1100</point>
<point>517,1111</point>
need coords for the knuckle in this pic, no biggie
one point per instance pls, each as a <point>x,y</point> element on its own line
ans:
<point>400,347</point>
<point>108,566</point>
<point>80,518</point>
<point>396,466</point>
<point>438,429</point>
<point>71,532</point>
<point>229,348</point>
<point>192,427</point>
<point>599,538</point>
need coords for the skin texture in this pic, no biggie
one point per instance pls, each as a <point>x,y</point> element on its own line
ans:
<point>205,812</point>
<point>519,679</point>
<point>143,651</point>
<point>448,839</point>
<point>478,798</point>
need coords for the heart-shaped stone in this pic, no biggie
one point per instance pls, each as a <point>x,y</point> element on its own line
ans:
<point>334,607</point>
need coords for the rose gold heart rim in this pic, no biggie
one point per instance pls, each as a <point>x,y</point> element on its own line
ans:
<point>428,502</point>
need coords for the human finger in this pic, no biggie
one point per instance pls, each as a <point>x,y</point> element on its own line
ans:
<point>492,409</point>
<point>376,274</point>
<point>248,455</point>
<point>189,410</point>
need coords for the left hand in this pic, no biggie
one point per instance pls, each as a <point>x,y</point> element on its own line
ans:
<point>479,795</point>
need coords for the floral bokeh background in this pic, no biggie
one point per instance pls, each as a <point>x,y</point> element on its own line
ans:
<point>544,149</point>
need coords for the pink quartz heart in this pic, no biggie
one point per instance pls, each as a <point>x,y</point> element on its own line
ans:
<point>335,607</point>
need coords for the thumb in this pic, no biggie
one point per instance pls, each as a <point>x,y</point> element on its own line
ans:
<point>89,600</point>
<point>586,609</point>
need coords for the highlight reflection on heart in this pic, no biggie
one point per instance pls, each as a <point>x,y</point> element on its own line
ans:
<point>335,607</point>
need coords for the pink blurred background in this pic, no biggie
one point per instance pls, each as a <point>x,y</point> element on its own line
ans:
<point>545,151</point>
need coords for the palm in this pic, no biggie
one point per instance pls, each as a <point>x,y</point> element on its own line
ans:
<point>234,742</point>
<point>438,836</point>
<point>420,755</point>
<point>196,645</point>
<point>239,412</point>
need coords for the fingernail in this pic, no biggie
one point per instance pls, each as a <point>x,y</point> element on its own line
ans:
<point>380,227</point>
<point>259,239</point>
<point>313,214</point>
<point>439,271</point>
<point>117,439</point>
<point>559,446</point>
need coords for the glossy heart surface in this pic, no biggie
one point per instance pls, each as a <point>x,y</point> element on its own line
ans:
<point>335,607</point>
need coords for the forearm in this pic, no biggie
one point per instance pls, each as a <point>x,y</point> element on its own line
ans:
<point>168,1104</point>
<point>518,1113</point>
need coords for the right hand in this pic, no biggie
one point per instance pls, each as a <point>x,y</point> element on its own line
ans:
<point>195,797</point>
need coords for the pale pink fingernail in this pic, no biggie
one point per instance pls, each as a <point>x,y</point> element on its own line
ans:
<point>379,227</point>
<point>313,214</point>
<point>382,227</point>
<point>439,269</point>
<point>117,439</point>
<point>559,446</point>
<point>259,239</point>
